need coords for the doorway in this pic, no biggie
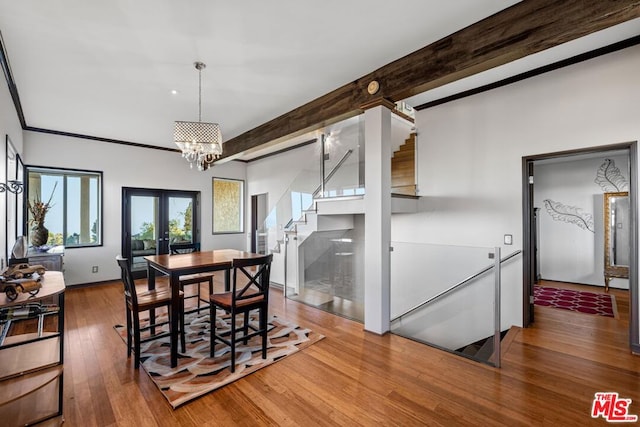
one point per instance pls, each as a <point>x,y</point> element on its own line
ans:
<point>258,233</point>
<point>153,219</point>
<point>585,225</point>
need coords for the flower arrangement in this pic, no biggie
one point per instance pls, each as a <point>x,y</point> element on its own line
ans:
<point>38,209</point>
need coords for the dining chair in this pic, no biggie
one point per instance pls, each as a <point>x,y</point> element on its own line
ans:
<point>137,301</point>
<point>192,279</point>
<point>249,291</point>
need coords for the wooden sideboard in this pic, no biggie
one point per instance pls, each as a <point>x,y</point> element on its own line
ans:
<point>52,262</point>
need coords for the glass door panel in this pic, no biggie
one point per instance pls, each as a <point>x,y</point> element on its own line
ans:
<point>153,219</point>
<point>180,219</point>
<point>145,223</point>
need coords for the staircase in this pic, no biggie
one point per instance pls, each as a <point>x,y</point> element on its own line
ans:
<point>403,168</point>
<point>331,215</point>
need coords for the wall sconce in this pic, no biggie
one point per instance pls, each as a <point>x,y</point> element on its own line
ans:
<point>14,187</point>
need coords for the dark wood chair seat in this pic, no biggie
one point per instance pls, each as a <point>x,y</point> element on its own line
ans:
<point>154,298</point>
<point>225,301</point>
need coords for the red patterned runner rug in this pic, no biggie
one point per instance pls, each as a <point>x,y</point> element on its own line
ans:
<point>602,304</point>
<point>198,374</point>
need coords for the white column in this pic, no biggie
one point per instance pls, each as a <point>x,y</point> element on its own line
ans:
<point>377,219</point>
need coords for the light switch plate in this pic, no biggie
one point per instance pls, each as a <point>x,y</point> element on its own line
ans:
<point>508,239</point>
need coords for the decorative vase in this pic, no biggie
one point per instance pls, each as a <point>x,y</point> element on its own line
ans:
<point>39,235</point>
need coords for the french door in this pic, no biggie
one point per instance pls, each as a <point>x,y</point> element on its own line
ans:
<point>153,219</point>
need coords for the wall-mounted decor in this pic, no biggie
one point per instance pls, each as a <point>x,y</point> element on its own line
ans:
<point>610,179</point>
<point>228,205</point>
<point>14,199</point>
<point>570,214</point>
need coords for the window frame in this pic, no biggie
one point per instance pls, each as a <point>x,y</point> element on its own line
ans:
<point>74,172</point>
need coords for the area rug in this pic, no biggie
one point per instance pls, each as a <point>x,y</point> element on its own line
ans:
<point>568,299</point>
<point>198,374</point>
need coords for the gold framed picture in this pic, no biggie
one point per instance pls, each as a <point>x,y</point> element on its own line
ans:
<point>228,205</point>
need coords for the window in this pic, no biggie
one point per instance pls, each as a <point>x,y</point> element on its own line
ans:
<point>74,217</point>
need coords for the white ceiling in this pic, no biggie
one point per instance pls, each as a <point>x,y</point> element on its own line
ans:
<point>107,68</point>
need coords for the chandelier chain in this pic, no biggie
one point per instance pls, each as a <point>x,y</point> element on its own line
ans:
<point>199,94</point>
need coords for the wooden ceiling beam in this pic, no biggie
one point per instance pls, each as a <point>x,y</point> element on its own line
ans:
<point>523,29</point>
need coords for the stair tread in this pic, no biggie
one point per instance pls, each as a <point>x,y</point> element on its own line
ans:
<point>403,172</point>
<point>402,165</point>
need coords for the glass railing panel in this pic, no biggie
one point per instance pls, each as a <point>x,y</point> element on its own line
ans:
<point>290,206</point>
<point>344,158</point>
<point>460,319</point>
<point>330,275</point>
<point>343,169</point>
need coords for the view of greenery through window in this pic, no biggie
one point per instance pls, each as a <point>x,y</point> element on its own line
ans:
<point>180,227</point>
<point>74,212</point>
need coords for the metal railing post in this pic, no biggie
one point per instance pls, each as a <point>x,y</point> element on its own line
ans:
<point>286,243</point>
<point>496,308</point>
<point>322,154</point>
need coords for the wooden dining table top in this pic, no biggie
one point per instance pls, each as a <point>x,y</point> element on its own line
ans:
<point>215,259</point>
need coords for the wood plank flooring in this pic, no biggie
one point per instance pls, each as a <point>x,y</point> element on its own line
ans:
<point>549,375</point>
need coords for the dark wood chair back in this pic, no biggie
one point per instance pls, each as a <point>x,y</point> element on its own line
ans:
<point>184,248</point>
<point>147,300</point>
<point>130,294</point>
<point>250,290</point>
<point>251,280</point>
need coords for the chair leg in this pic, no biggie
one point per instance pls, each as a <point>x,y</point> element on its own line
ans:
<point>182,330</point>
<point>263,328</point>
<point>152,321</point>
<point>129,332</point>
<point>136,339</point>
<point>233,341</point>
<point>212,319</point>
<point>245,328</point>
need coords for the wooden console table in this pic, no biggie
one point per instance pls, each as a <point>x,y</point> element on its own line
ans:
<point>31,372</point>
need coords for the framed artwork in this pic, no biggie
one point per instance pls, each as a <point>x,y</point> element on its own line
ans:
<point>228,206</point>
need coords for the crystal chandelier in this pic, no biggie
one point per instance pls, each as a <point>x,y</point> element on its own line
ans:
<point>200,143</point>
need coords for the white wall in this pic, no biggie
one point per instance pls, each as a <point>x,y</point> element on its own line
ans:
<point>127,166</point>
<point>567,252</point>
<point>470,152</point>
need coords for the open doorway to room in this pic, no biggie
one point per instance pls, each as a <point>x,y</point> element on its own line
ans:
<point>564,219</point>
<point>257,234</point>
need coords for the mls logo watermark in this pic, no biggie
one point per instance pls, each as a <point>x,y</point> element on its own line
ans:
<point>612,408</point>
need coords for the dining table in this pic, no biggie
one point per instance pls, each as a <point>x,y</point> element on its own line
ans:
<point>178,265</point>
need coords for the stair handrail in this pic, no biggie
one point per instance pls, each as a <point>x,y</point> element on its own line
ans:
<point>333,171</point>
<point>456,286</point>
<point>290,222</point>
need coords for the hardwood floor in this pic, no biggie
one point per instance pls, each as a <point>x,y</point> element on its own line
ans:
<point>549,375</point>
